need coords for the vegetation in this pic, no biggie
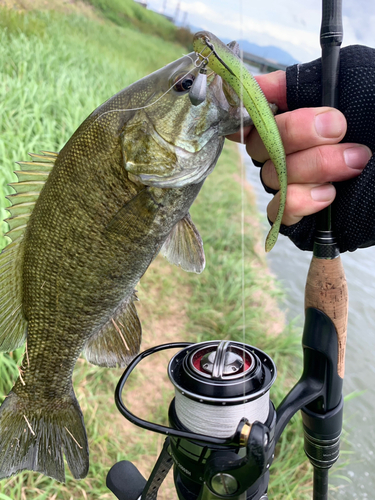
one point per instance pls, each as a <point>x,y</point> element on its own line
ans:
<point>132,14</point>
<point>56,68</point>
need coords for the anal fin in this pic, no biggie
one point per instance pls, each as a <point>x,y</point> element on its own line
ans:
<point>184,246</point>
<point>119,340</point>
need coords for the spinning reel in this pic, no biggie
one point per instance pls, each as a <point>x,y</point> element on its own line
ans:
<point>223,426</point>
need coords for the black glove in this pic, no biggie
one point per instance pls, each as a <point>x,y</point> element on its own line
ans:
<point>353,211</point>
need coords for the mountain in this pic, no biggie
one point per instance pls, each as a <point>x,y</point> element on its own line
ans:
<point>267,52</point>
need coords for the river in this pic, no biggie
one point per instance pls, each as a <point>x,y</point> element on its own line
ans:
<point>354,478</point>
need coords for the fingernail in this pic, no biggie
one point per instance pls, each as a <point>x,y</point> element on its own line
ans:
<point>330,124</point>
<point>357,157</point>
<point>323,193</point>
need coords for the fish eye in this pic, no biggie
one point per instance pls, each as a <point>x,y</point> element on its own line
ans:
<point>183,82</point>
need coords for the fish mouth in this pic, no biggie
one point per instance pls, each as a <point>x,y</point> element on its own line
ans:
<point>234,114</point>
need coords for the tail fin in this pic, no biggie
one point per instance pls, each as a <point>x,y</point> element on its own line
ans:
<point>35,437</point>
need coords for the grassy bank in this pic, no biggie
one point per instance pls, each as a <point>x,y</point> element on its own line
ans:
<point>57,67</point>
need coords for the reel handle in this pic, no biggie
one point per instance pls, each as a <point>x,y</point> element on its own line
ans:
<point>125,481</point>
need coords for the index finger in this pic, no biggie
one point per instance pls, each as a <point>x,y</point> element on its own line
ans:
<point>273,86</point>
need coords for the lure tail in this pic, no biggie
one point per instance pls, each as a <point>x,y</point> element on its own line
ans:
<point>35,437</point>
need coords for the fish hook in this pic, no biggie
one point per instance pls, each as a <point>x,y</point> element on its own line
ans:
<point>197,92</point>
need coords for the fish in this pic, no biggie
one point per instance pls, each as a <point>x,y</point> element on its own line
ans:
<point>226,63</point>
<point>85,224</point>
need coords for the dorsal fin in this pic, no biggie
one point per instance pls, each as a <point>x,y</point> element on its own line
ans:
<point>31,179</point>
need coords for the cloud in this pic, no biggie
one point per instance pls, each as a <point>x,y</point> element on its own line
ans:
<point>228,22</point>
<point>291,24</point>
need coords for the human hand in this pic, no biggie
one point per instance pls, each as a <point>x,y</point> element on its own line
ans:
<point>314,155</point>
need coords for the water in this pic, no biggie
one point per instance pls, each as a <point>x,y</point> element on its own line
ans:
<point>356,477</point>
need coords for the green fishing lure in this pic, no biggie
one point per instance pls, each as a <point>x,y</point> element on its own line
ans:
<point>222,60</point>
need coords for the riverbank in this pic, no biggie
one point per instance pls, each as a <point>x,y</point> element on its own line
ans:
<point>57,66</point>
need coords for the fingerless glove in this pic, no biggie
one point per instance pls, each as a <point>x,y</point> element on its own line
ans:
<point>353,211</point>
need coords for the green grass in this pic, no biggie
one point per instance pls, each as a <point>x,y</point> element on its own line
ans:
<point>128,13</point>
<point>55,70</point>
<point>131,14</point>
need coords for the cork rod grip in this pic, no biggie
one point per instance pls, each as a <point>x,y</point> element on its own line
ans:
<point>327,290</point>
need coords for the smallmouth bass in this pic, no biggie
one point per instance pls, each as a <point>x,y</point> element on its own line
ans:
<point>85,225</point>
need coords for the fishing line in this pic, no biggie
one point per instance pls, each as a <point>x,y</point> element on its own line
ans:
<point>218,420</point>
<point>243,178</point>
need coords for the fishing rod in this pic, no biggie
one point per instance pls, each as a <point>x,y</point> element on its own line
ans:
<point>326,288</point>
<point>223,426</point>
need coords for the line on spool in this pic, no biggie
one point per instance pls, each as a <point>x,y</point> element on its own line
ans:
<point>219,421</point>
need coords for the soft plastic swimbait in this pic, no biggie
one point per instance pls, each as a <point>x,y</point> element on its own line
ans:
<point>226,64</point>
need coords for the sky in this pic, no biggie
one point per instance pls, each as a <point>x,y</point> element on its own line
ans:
<point>292,25</point>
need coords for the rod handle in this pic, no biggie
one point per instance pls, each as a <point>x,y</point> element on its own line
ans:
<point>327,290</point>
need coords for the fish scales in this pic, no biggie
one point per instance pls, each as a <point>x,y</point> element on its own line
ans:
<point>92,267</point>
<point>116,194</point>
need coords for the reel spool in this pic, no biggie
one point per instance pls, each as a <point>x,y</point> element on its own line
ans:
<point>219,383</point>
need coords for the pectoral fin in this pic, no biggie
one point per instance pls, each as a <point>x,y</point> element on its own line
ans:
<point>184,246</point>
<point>119,340</point>
<point>135,218</point>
